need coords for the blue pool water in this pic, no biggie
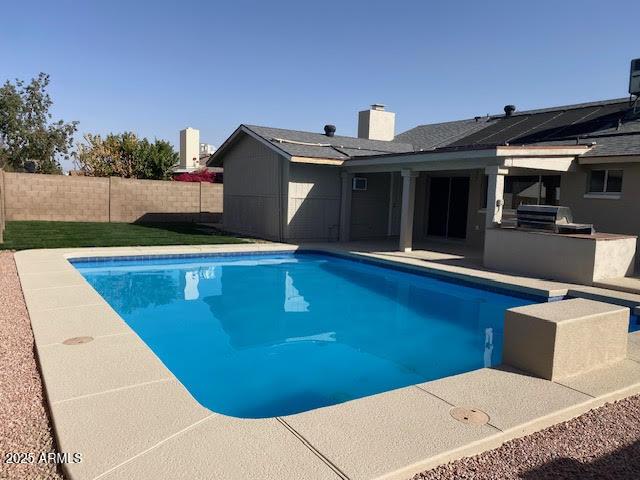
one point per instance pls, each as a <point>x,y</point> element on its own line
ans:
<point>265,335</point>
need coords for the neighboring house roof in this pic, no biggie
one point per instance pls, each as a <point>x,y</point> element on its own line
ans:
<point>611,125</point>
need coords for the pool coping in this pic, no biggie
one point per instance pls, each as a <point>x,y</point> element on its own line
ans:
<point>85,383</point>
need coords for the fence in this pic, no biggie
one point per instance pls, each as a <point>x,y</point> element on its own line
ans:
<point>30,196</point>
<point>1,206</point>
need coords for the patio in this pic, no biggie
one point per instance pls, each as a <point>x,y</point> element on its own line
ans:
<point>433,251</point>
<point>459,260</point>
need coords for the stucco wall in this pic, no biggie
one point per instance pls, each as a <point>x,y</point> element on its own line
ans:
<point>253,197</point>
<point>313,208</point>
<point>613,216</point>
<point>87,199</point>
<point>566,258</point>
<point>608,215</point>
<point>370,208</point>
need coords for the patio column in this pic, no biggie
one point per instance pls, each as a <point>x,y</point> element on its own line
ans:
<point>345,206</point>
<point>495,195</point>
<point>408,202</point>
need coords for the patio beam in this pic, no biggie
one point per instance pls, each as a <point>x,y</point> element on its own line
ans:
<point>553,164</point>
<point>408,203</point>
<point>495,195</point>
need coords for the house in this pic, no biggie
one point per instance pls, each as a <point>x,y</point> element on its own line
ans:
<point>449,180</point>
<point>193,154</point>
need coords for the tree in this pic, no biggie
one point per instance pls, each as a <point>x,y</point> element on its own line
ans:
<point>125,155</point>
<point>156,160</point>
<point>29,139</point>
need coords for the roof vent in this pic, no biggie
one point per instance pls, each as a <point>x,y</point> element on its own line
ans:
<point>329,130</point>
<point>508,110</point>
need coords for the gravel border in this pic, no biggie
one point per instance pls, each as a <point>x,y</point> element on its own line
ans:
<point>603,443</point>
<point>25,426</point>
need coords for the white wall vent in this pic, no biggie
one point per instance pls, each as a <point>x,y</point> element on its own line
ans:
<point>359,183</point>
<point>634,77</point>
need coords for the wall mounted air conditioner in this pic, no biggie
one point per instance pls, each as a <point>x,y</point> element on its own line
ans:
<point>359,183</point>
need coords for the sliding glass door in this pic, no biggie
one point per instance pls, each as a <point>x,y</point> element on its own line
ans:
<point>448,204</point>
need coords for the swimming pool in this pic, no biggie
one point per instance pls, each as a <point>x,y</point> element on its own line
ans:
<point>262,335</point>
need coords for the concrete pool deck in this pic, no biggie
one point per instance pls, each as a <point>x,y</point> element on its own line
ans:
<point>115,402</point>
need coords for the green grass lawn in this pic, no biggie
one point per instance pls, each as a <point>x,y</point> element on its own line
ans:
<point>25,235</point>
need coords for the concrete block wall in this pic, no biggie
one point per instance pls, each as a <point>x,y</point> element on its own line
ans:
<point>1,206</point>
<point>211,197</point>
<point>153,200</point>
<point>30,196</point>
<point>88,199</point>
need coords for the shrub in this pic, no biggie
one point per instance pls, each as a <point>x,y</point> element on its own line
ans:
<point>202,175</point>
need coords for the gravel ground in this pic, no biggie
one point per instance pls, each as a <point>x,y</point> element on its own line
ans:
<point>601,444</point>
<point>24,418</point>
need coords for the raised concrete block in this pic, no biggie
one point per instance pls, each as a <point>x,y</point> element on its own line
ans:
<point>560,339</point>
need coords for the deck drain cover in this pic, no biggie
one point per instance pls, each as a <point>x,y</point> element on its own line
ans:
<point>470,416</point>
<point>77,340</point>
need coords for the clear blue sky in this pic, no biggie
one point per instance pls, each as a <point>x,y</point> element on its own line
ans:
<point>156,67</point>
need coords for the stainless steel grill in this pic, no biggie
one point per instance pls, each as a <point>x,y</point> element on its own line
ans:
<point>552,218</point>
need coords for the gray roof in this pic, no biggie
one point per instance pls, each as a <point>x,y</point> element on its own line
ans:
<point>569,122</point>
<point>615,145</point>
<point>611,124</point>
<point>598,103</point>
<point>605,145</point>
<point>436,135</point>
<point>318,145</point>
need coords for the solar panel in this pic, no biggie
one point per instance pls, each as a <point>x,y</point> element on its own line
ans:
<point>479,137</point>
<point>553,127</point>
<point>549,125</point>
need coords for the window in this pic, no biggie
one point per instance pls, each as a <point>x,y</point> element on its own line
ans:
<point>605,181</point>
